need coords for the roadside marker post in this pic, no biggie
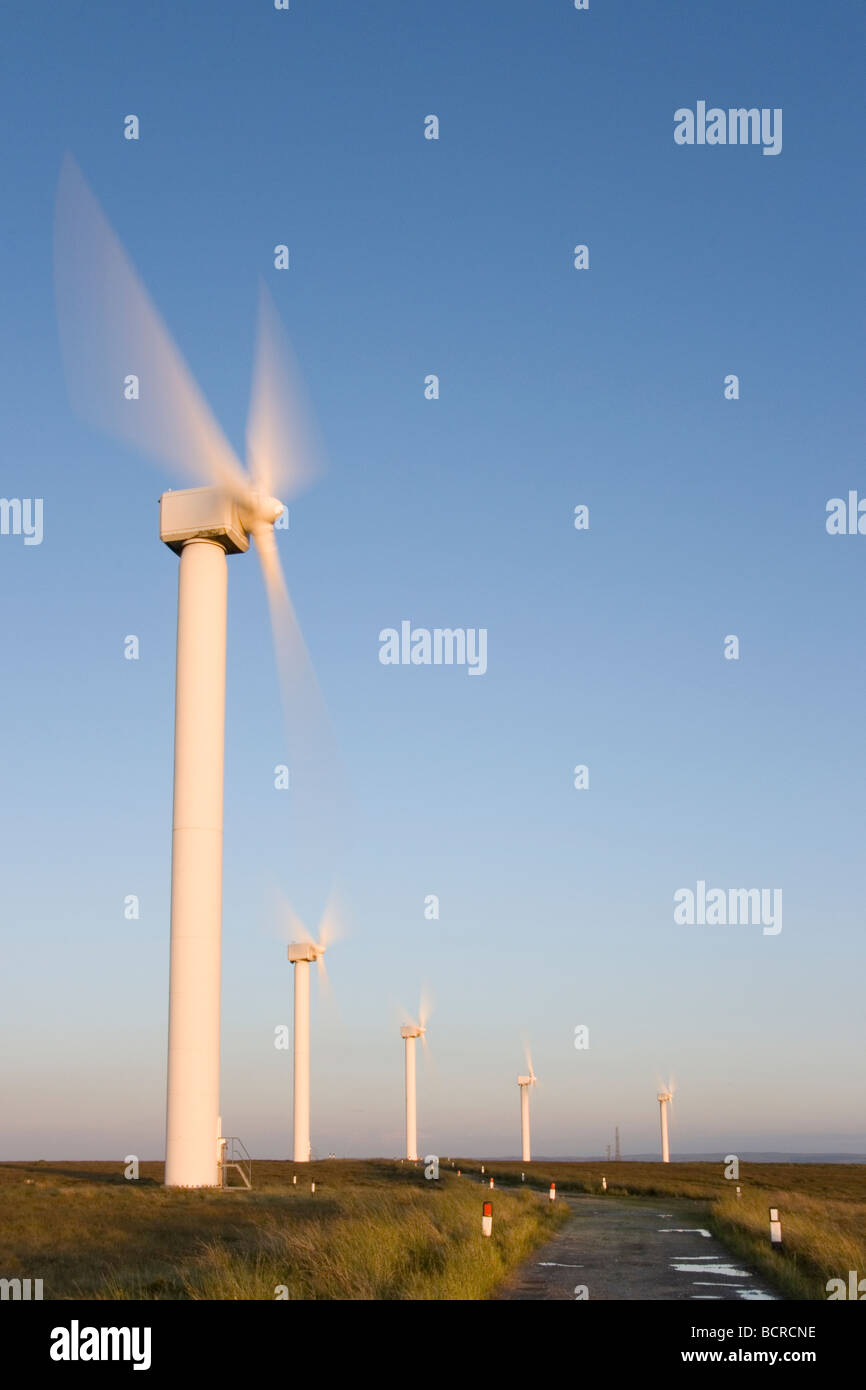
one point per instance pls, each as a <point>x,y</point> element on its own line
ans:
<point>487,1219</point>
<point>775,1228</point>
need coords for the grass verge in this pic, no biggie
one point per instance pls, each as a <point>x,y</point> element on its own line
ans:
<point>375,1230</point>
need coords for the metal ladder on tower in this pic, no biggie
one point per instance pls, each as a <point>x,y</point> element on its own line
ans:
<point>234,1158</point>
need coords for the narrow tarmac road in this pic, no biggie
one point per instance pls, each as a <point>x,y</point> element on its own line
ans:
<point>615,1249</point>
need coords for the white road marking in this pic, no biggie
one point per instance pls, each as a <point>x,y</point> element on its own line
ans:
<point>730,1271</point>
<point>684,1231</point>
<point>556,1264</point>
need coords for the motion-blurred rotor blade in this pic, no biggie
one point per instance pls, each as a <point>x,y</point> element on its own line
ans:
<point>292,928</point>
<point>529,1067</point>
<point>425,1007</point>
<point>324,978</point>
<point>110,331</point>
<point>429,1055</point>
<point>331,927</point>
<point>318,804</point>
<point>282,454</point>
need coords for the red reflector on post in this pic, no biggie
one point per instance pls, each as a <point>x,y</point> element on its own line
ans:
<point>487,1219</point>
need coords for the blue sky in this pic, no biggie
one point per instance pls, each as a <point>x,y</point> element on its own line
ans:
<point>558,387</point>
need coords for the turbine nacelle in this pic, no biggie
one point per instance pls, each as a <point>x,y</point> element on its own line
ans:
<point>201,513</point>
<point>527,1080</point>
<point>305,950</point>
<point>664,1096</point>
<point>212,513</point>
<point>412,1030</point>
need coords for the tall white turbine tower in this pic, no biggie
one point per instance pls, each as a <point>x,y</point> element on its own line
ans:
<point>126,376</point>
<point>303,954</point>
<point>410,1032</point>
<point>664,1098</point>
<point>524,1083</point>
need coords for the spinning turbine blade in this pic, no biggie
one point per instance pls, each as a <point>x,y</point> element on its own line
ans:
<point>425,1008</point>
<point>109,330</point>
<point>331,927</point>
<point>281,454</point>
<point>317,787</point>
<point>282,458</point>
<point>325,987</point>
<point>292,927</point>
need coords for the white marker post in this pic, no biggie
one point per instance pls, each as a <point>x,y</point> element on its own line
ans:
<point>491,1182</point>
<point>312,1187</point>
<point>775,1229</point>
<point>604,1184</point>
<point>552,1193</point>
<point>487,1219</point>
<point>739,1192</point>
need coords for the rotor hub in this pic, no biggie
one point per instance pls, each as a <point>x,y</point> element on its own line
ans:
<point>258,510</point>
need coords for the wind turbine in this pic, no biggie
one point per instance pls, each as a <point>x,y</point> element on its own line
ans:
<point>126,376</point>
<point>524,1083</point>
<point>665,1098</point>
<point>410,1032</point>
<point>303,954</point>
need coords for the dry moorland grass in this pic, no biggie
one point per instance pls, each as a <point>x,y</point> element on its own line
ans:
<point>379,1230</point>
<point>375,1230</point>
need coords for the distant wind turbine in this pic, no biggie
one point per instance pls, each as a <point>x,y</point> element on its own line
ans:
<point>303,954</point>
<point>665,1098</point>
<point>410,1032</point>
<point>524,1083</point>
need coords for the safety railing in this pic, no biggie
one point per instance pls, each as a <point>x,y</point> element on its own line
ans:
<point>234,1159</point>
